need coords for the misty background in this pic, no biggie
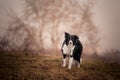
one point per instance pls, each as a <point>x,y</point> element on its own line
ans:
<point>32,25</point>
<point>32,33</point>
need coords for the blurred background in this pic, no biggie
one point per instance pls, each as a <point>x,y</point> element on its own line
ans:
<point>39,25</point>
<point>32,33</point>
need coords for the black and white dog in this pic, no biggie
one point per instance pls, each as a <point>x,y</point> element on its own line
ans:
<point>71,47</point>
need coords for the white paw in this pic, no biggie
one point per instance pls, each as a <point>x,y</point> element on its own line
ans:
<point>78,65</point>
<point>64,62</point>
<point>69,67</point>
<point>64,65</point>
<point>80,60</point>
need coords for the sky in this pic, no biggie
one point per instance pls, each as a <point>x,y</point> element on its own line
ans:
<point>106,15</point>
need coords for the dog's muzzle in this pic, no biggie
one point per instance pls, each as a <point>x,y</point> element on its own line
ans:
<point>70,42</point>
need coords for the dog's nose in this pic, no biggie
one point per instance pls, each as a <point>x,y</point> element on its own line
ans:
<point>70,42</point>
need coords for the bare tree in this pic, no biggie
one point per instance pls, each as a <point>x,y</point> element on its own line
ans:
<point>36,11</point>
<point>91,30</point>
<point>51,18</point>
<point>76,14</point>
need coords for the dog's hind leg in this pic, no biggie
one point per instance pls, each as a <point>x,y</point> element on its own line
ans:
<point>77,58</point>
<point>80,60</point>
<point>78,63</point>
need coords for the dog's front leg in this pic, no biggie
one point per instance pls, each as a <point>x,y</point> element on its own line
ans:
<point>70,62</point>
<point>64,60</point>
<point>71,58</point>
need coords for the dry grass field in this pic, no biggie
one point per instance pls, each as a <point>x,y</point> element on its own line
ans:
<point>21,66</point>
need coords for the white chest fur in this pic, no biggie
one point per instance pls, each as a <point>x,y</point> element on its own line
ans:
<point>67,49</point>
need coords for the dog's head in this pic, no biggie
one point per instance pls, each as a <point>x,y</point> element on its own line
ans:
<point>70,39</point>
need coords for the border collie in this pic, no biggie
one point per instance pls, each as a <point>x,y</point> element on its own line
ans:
<point>71,48</point>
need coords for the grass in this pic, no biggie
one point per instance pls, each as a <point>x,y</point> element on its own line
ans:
<point>20,66</point>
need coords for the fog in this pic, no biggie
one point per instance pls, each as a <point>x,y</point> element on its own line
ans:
<point>42,28</point>
<point>107,19</point>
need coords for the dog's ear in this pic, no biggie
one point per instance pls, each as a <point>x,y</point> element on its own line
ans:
<point>76,37</point>
<point>67,35</point>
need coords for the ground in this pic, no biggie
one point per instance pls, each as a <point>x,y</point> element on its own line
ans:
<point>22,66</point>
